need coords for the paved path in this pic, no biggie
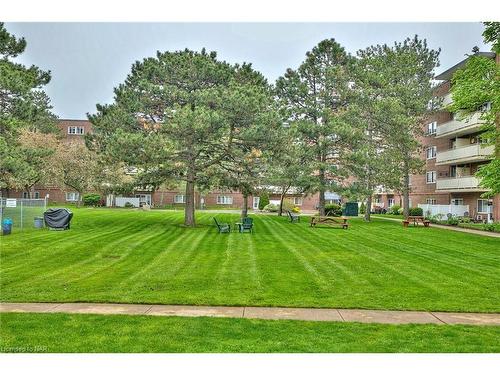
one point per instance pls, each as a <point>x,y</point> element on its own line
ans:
<point>456,229</point>
<point>271,313</point>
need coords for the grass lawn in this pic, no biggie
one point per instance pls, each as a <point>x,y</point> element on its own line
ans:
<point>148,257</point>
<point>97,333</point>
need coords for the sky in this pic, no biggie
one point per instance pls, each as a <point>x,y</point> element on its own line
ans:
<point>87,60</point>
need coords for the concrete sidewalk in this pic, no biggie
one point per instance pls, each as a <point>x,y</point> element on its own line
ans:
<point>270,313</point>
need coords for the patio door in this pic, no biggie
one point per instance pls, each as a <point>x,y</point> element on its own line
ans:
<point>144,199</point>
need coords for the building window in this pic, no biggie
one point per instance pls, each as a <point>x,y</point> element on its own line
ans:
<point>297,201</point>
<point>25,195</point>
<point>457,201</point>
<point>431,152</point>
<point>37,195</point>
<point>482,206</point>
<point>72,196</point>
<point>390,202</point>
<point>180,198</point>
<point>431,128</point>
<point>79,130</point>
<point>431,201</point>
<point>377,199</point>
<point>224,199</point>
<point>430,177</point>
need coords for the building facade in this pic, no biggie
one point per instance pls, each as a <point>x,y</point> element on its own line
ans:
<point>453,151</point>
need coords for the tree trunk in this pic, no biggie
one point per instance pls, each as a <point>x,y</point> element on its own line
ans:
<point>189,219</point>
<point>282,198</point>
<point>368,207</point>
<point>244,209</point>
<point>322,184</point>
<point>406,196</point>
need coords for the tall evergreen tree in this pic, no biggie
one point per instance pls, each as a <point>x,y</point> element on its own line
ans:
<point>180,116</point>
<point>24,106</point>
<point>312,98</point>
<point>402,82</point>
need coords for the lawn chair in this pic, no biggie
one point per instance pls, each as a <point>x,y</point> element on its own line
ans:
<point>247,224</point>
<point>294,218</point>
<point>222,227</point>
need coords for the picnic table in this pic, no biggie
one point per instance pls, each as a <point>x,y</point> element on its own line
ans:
<point>332,221</point>
<point>415,220</point>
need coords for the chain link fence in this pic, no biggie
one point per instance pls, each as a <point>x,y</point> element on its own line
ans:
<point>22,211</point>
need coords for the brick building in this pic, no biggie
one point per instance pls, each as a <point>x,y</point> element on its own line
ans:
<point>453,151</point>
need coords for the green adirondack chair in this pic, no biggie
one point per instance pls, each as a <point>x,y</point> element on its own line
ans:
<point>247,225</point>
<point>222,227</point>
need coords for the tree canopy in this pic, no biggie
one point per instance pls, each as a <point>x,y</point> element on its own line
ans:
<point>184,115</point>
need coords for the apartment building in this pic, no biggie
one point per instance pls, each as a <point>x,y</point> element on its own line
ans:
<point>75,130</point>
<point>453,152</point>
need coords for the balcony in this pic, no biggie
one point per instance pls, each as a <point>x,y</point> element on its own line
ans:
<point>455,128</point>
<point>447,100</point>
<point>468,154</point>
<point>459,184</point>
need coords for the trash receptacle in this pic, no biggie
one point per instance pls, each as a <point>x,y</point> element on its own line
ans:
<point>38,222</point>
<point>6,226</point>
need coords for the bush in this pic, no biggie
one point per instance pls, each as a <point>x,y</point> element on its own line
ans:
<point>452,220</point>
<point>271,208</point>
<point>93,200</point>
<point>394,210</point>
<point>416,211</point>
<point>333,210</point>
<point>263,201</point>
<point>465,220</point>
<point>362,208</point>
<point>128,205</point>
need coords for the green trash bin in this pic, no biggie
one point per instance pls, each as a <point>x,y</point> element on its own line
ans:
<point>350,209</point>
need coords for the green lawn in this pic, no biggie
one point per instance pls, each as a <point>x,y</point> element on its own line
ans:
<point>97,333</point>
<point>148,257</point>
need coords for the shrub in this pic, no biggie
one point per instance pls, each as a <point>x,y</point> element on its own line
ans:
<point>394,210</point>
<point>400,211</point>
<point>362,208</point>
<point>128,205</point>
<point>416,211</point>
<point>93,200</point>
<point>465,220</point>
<point>333,210</point>
<point>452,220</point>
<point>264,200</point>
<point>271,208</point>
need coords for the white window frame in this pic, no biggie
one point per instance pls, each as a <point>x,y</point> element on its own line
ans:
<point>433,152</point>
<point>390,202</point>
<point>433,175</point>
<point>297,201</point>
<point>72,196</point>
<point>37,195</point>
<point>457,201</point>
<point>484,205</point>
<point>431,128</point>
<point>224,199</point>
<point>25,195</point>
<point>76,130</point>
<point>179,199</point>
<point>431,201</point>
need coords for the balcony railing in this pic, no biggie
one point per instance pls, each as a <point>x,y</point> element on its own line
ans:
<point>468,183</point>
<point>472,153</point>
<point>456,128</point>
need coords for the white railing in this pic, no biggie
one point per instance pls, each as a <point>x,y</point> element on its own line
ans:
<point>451,127</point>
<point>459,183</point>
<point>121,201</point>
<point>476,151</point>
<point>444,209</point>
